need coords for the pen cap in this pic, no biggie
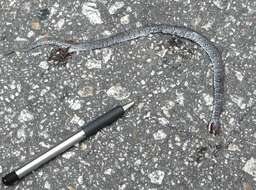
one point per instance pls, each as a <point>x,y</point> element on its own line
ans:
<point>10,178</point>
<point>106,119</point>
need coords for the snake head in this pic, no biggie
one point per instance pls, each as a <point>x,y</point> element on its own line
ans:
<point>214,127</point>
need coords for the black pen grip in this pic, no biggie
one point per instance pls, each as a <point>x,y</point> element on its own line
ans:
<point>104,120</point>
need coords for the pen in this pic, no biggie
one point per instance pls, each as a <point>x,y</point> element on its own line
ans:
<point>86,131</point>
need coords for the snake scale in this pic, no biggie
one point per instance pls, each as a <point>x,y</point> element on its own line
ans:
<point>179,31</point>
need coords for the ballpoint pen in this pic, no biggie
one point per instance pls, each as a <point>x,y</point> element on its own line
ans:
<point>86,131</point>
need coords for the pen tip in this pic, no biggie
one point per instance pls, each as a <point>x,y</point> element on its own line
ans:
<point>127,106</point>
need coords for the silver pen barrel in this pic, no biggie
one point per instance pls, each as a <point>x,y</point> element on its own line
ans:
<point>50,154</point>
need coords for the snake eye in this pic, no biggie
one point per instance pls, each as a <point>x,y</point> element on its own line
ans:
<point>214,128</point>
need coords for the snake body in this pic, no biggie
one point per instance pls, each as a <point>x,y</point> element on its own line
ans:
<point>179,31</point>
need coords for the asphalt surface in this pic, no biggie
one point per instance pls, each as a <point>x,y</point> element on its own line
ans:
<point>162,143</point>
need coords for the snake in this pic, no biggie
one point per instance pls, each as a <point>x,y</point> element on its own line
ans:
<point>183,32</point>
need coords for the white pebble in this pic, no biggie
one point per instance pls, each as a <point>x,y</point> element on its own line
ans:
<point>93,64</point>
<point>106,53</point>
<point>75,104</point>
<point>118,92</point>
<point>44,91</point>
<point>250,167</point>
<point>25,115</point>
<point>117,5</point>
<point>125,19</point>
<point>239,101</point>
<point>44,65</point>
<point>162,53</point>
<point>12,85</point>
<point>239,75</point>
<point>77,120</point>
<point>89,9</point>
<point>208,99</point>
<point>106,33</point>
<point>43,144</point>
<point>138,24</point>
<point>30,34</point>
<point>21,134</point>
<point>122,186</point>
<point>159,135</point>
<point>80,179</point>
<point>86,91</point>
<point>60,23</point>
<point>233,147</point>
<point>163,121</point>
<point>68,155</point>
<point>27,7</point>
<point>108,171</point>
<point>219,3</point>
<point>156,177</point>
<point>54,9</point>
<point>19,39</point>
<point>137,162</point>
<point>177,138</point>
<point>129,9</point>
<point>47,185</point>
<point>168,106</point>
<point>180,98</point>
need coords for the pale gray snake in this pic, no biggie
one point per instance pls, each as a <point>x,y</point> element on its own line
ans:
<point>179,31</point>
